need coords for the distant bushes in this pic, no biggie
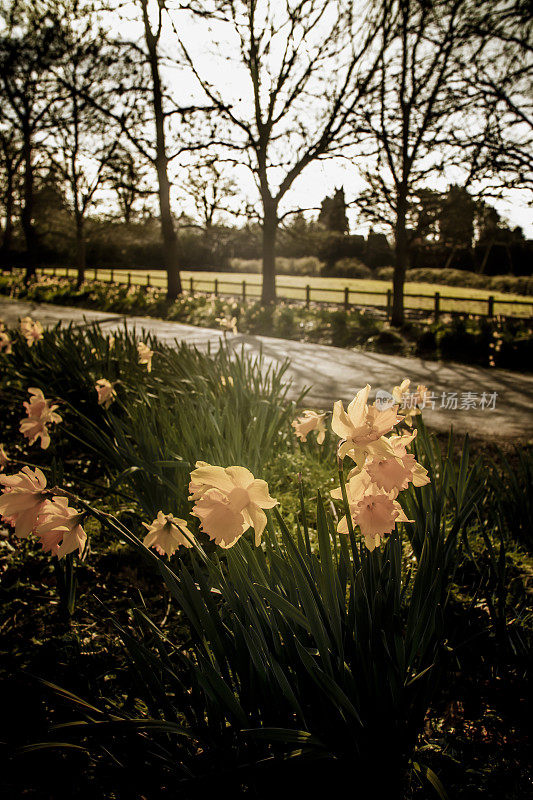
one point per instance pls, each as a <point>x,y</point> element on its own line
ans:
<point>333,248</point>
<point>310,265</point>
<point>516,284</point>
<point>347,268</point>
<point>138,246</point>
<point>511,283</point>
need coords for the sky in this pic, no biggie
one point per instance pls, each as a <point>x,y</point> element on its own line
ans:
<point>319,178</point>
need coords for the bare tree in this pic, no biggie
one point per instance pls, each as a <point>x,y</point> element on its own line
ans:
<point>152,36</point>
<point>28,48</point>
<point>147,61</point>
<point>450,91</point>
<point>303,66</point>
<point>210,189</point>
<point>138,85</point>
<point>82,142</point>
<point>126,175</point>
<point>413,109</point>
<point>500,83</point>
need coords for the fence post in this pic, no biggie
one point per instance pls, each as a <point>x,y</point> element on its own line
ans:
<point>216,287</point>
<point>148,279</point>
<point>111,276</point>
<point>346,298</point>
<point>307,296</point>
<point>129,279</point>
<point>66,272</point>
<point>389,303</point>
<point>54,272</point>
<point>437,306</point>
<point>244,291</point>
<point>95,273</point>
<point>491,306</point>
<point>191,285</point>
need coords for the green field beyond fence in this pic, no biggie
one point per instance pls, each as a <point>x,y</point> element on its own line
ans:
<point>434,298</point>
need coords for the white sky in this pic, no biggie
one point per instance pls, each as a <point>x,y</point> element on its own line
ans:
<point>318,179</point>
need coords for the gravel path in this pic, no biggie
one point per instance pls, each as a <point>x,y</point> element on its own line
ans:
<point>488,403</point>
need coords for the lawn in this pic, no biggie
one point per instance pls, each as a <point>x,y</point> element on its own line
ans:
<point>362,291</point>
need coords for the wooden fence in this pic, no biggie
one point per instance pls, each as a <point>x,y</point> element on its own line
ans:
<point>346,297</point>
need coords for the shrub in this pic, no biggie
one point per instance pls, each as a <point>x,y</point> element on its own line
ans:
<point>512,283</point>
<point>285,323</point>
<point>388,341</point>
<point>459,277</point>
<point>259,318</point>
<point>426,343</point>
<point>459,341</point>
<point>384,273</point>
<point>348,268</point>
<point>448,277</point>
<point>308,265</point>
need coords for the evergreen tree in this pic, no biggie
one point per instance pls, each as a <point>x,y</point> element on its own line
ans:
<point>333,213</point>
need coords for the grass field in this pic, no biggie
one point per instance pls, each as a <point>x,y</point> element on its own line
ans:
<point>362,292</point>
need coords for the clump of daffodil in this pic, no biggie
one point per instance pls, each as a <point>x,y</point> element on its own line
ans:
<point>384,467</point>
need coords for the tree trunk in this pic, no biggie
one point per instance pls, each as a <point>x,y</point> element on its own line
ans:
<point>26,216</point>
<point>80,252</point>
<point>127,211</point>
<point>270,229</point>
<point>168,232</point>
<point>450,257</point>
<point>486,254</point>
<point>400,267</point>
<point>5,249</point>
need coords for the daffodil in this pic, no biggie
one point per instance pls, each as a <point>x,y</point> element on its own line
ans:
<point>31,329</point>
<point>167,533</point>
<point>400,391</point>
<point>227,325</point>
<point>23,499</point>
<point>410,403</point>
<point>395,474</point>
<point>59,528</point>
<point>228,502</point>
<point>145,355</point>
<point>310,421</point>
<point>361,424</point>
<point>106,392</point>
<point>5,342</point>
<point>373,509</point>
<point>40,415</point>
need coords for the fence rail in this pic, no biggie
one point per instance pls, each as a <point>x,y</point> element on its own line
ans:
<point>347,296</point>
